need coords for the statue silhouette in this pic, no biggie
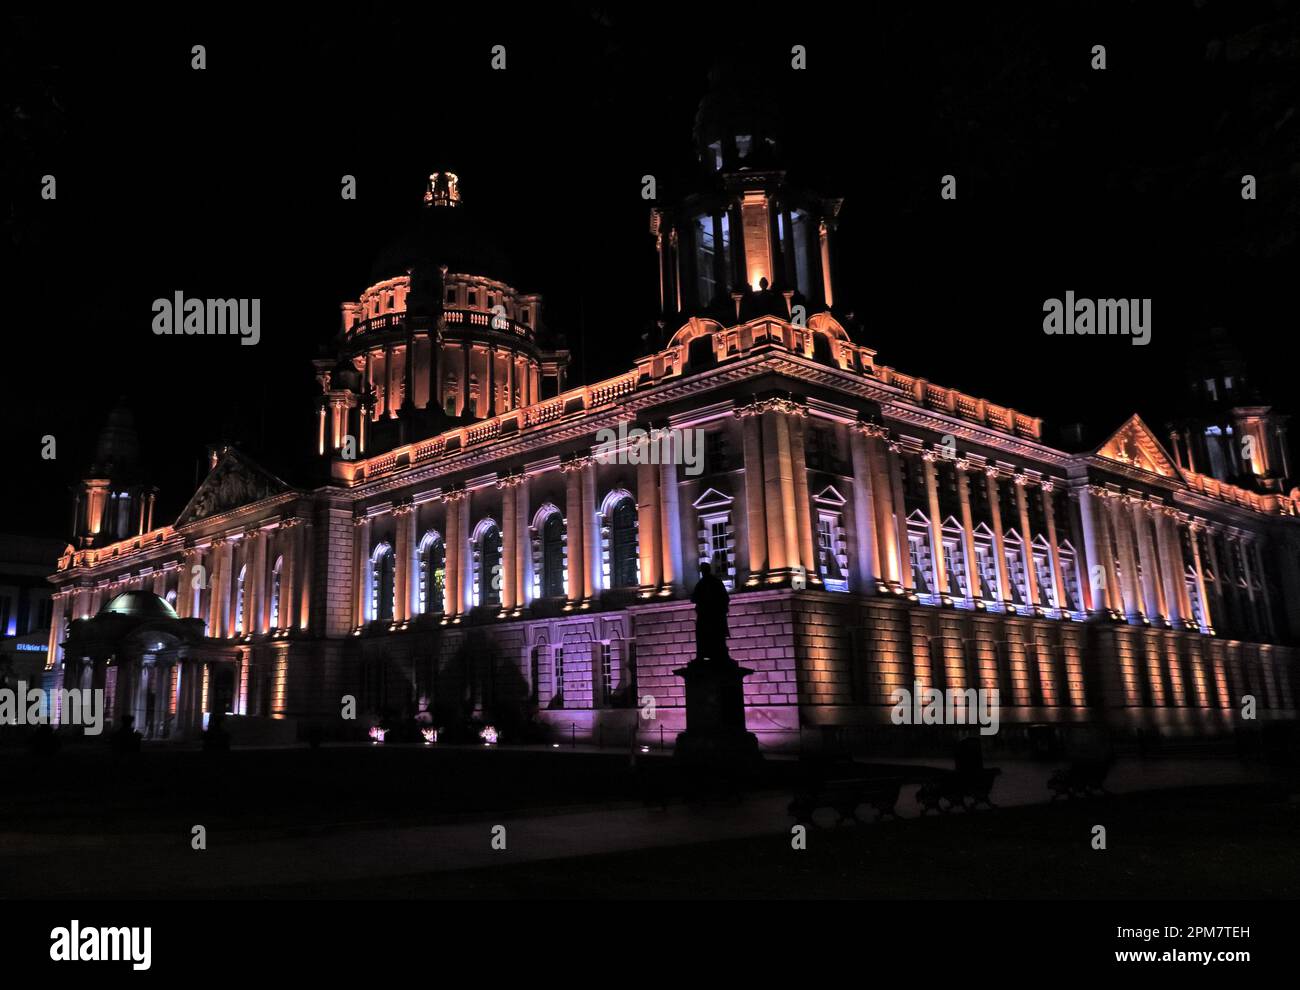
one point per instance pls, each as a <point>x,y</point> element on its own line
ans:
<point>711,605</point>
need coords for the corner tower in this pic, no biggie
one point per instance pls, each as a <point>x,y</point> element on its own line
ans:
<point>112,502</point>
<point>746,241</point>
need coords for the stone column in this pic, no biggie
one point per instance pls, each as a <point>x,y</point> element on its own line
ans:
<point>261,612</point>
<point>403,573</point>
<point>289,574</point>
<point>590,533</point>
<point>1195,527</point>
<point>184,584</point>
<point>304,549</point>
<point>778,489</point>
<point>1053,545</point>
<point>824,239</point>
<point>361,564</point>
<point>1211,532</point>
<point>1122,523</point>
<point>464,515</point>
<point>1101,571</point>
<point>1151,582</point>
<point>882,487</point>
<point>647,510</point>
<point>1171,565</point>
<point>451,566</point>
<point>802,500</point>
<point>223,559</point>
<point>974,578</point>
<point>864,512</point>
<point>1027,541</point>
<point>900,516</point>
<point>523,544</point>
<point>936,524</point>
<point>238,555</point>
<point>999,545</point>
<point>574,529</point>
<point>509,543</point>
<point>670,527</point>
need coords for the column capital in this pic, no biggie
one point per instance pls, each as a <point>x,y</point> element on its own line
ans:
<point>404,508</point>
<point>456,494</point>
<point>1022,479</point>
<point>870,429</point>
<point>290,522</point>
<point>783,404</point>
<point>512,480</point>
<point>360,519</point>
<point>929,456</point>
<point>577,462</point>
<point>1047,486</point>
<point>992,471</point>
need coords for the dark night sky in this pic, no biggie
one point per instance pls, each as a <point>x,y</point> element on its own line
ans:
<point>226,183</point>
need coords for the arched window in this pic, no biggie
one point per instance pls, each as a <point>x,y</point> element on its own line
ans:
<point>823,353</point>
<point>552,540</point>
<point>275,592</point>
<point>624,571</point>
<point>239,600</point>
<point>433,573</point>
<point>487,564</point>
<point>381,584</point>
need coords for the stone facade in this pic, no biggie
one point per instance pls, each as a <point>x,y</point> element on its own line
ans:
<point>487,543</point>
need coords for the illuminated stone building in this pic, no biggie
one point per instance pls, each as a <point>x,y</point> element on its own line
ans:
<point>476,552</point>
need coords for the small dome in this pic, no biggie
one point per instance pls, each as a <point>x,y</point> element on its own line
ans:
<point>140,604</point>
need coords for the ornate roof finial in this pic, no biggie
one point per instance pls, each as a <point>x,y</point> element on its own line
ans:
<point>443,189</point>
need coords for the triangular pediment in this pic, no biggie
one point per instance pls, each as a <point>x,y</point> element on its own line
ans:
<point>236,480</point>
<point>1135,446</point>
<point>831,495</point>
<point>712,499</point>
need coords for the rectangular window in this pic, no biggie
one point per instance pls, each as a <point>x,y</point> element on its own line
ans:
<point>828,552</point>
<point>704,253</point>
<point>557,676</point>
<point>919,552</point>
<point>1016,572</point>
<point>954,565</point>
<point>606,673</point>
<point>988,573</point>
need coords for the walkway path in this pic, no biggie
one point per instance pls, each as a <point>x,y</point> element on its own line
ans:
<point>80,866</point>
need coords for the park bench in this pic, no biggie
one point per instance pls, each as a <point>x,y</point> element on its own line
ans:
<point>968,787</point>
<point>844,789</point>
<point>1081,778</point>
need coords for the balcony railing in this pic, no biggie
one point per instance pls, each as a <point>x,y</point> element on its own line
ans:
<point>451,318</point>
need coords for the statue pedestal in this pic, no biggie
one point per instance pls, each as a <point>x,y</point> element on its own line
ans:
<point>715,733</point>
